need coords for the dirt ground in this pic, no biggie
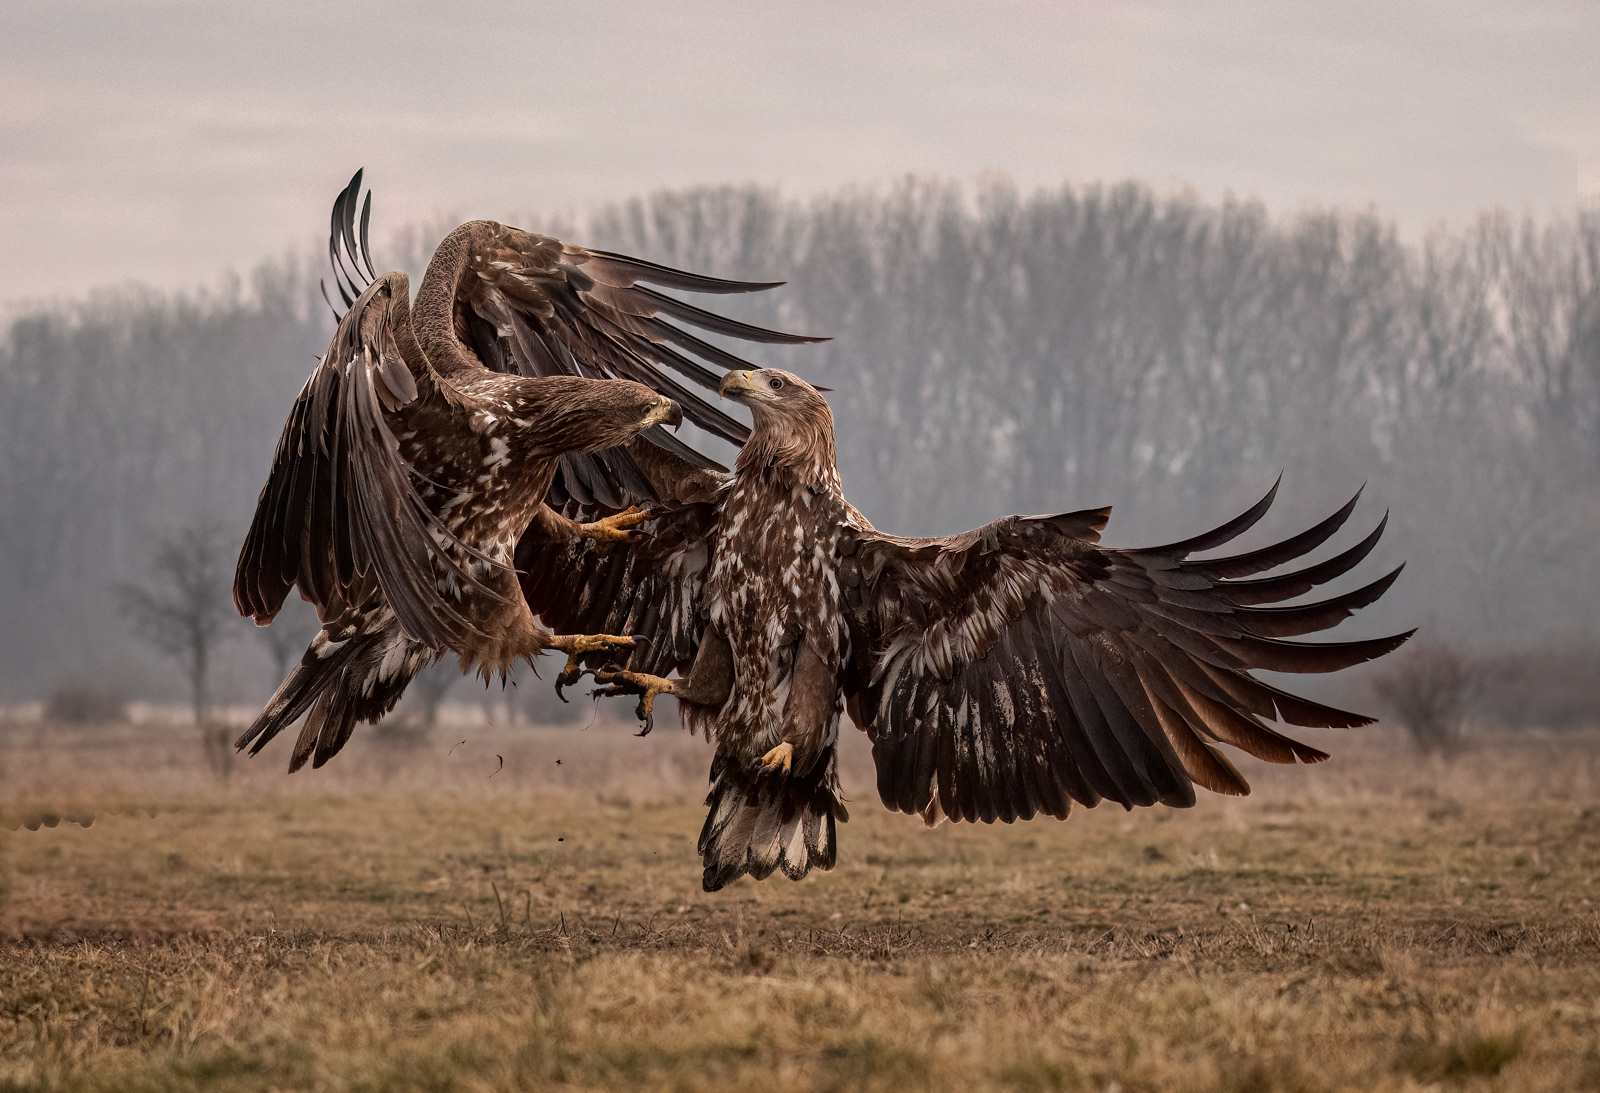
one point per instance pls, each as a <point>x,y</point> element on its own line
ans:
<point>501,909</point>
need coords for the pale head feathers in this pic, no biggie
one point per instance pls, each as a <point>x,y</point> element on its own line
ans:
<point>792,426</point>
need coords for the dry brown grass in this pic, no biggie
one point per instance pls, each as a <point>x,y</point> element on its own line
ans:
<point>410,922</point>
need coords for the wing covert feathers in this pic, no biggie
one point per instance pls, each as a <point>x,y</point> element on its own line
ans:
<point>1020,667</point>
<point>540,307</point>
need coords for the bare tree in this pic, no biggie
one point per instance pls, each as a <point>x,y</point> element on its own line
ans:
<point>427,692</point>
<point>184,609</point>
<point>287,636</point>
<point>1432,690</point>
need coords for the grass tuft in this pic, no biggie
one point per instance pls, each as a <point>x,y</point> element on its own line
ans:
<point>1473,1053</point>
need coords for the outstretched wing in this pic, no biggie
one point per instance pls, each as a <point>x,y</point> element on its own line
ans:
<point>535,306</point>
<point>340,514</point>
<point>531,305</point>
<point>653,587</point>
<point>1020,667</point>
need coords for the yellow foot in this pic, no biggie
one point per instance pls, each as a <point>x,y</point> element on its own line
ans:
<point>618,528</point>
<point>635,683</point>
<point>778,758</point>
<point>577,646</point>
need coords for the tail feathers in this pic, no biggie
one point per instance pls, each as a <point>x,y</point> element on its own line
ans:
<point>341,684</point>
<point>760,821</point>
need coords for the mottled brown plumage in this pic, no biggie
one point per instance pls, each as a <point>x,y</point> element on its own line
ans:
<point>1001,673</point>
<point>424,445</point>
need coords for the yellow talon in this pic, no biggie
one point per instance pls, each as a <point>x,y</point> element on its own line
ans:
<point>577,646</point>
<point>635,683</point>
<point>614,529</point>
<point>779,757</point>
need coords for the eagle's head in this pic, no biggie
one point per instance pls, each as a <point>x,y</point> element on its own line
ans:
<point>629,408</point>
<point>769,391</point>
<point>663,412</point>
<point>588,415</point>
<point>792,424</point>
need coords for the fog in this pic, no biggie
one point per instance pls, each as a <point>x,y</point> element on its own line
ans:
<point>160,141</point>
<point>1359,246</point>
<point>995,349</point>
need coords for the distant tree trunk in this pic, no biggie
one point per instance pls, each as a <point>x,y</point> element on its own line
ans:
<point>183,608</point>
<point>288,635</point>
<point>197,678</point>
<point>429,689</point>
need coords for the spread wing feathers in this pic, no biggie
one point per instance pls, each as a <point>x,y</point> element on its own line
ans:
<point>337,684</point>
<point>652,588</point>
<point>540,307</point>
<point>348,253</point>
<point>339,513</point>
<point>1020,667</point>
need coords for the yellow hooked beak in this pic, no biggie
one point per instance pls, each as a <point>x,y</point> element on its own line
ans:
<point>736,382</point>
<point>667,413</point>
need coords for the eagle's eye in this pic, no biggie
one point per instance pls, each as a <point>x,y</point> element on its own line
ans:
<point>775,383</point>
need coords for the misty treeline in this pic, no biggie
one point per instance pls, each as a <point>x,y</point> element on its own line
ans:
<point>993,352</point>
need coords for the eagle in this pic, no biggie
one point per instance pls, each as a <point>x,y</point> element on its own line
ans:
<point>1001,673</point>
<point>426,442</point>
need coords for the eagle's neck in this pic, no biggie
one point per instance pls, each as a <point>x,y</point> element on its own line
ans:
<point>435,314</point>
<point>794,445</point>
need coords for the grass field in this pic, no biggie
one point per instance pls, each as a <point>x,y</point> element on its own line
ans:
<point>433,921</point>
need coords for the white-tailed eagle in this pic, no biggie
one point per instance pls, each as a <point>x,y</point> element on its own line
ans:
<point>424,445</point>
<point>1002,673</point>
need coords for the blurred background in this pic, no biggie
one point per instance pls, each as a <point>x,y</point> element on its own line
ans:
<point>1069,254</point>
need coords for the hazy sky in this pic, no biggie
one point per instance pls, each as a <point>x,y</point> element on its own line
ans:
<point>166,142</point>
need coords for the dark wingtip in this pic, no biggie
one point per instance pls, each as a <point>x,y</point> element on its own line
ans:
<point>1268,557</point>
<point>366,247</point>
<point>657,274</point>
<point>1223,533</point>
<point>342,241</point>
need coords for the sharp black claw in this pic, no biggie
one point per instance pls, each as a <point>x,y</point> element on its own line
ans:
<point>569,677</point>
<point>640,639</point>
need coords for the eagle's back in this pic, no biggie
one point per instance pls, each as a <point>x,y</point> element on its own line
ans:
<point>479,472</point>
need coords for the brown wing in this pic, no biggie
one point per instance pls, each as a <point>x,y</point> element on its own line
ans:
<point>652,588</point>
<point>1020,667</point>
<point>531,305</point>
<point>340,514</point>
<point>535,306</point>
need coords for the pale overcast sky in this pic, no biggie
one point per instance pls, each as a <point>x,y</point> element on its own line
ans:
<point>166,142</point>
